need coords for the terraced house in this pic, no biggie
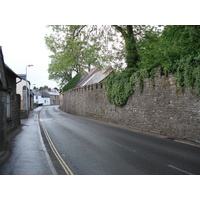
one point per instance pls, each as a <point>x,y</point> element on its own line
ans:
<point>9,102</point>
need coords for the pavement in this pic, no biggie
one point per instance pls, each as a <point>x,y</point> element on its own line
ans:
<point>27,154</point>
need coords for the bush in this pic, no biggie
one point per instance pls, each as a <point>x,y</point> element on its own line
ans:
<point>119,87</point>
<point>71,84</point>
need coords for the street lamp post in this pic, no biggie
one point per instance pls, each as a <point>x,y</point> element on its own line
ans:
<point>27,90</point>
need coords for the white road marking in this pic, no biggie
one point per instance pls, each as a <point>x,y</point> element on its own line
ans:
<point>53,148</point>
<point>53,170</point>
<point>181,170</point>
<point>121,145</point>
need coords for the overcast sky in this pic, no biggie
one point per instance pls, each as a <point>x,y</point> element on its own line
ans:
<point>23,26</point>
<point>22,45</point>
<point>22,31</point>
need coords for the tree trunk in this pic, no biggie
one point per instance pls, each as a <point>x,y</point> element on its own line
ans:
<point>132,56</point>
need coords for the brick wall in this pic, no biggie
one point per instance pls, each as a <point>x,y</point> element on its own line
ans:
<point>162,109</point>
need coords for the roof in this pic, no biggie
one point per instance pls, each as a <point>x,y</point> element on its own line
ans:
<point>54,93</point>
<point>23,76</point>
<point>11,71</point>
<point>45,93</point>
<point>95,76</point>
<point>37,93</point>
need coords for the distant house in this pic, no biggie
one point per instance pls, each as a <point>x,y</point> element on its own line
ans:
<point>9,102</point>
<point>26,103</point>
<point>40,99</point>
<point>54,97</point>
<point>45,97</point>
<point>94,76</point>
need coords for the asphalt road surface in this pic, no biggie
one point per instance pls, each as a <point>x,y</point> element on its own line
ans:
<point>84,146</point>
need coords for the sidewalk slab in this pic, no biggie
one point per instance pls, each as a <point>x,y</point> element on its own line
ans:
<point>27,155</point>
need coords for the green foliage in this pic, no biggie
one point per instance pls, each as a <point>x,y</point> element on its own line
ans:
<point>78,47</point>
<point>132,56</point>
<point>163,50</point>
<point>119,87</point>
<point>73,50</point>
<point>176,51</point>
<point>71,84</point>
<point>188,72</point>
<point>150,51</point>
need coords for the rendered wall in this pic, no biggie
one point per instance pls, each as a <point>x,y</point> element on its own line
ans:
<point>162,109</point>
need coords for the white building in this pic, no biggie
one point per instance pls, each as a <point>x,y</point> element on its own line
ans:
<point>45,97</point>
<point>26,103</point>
<point>41,98</point>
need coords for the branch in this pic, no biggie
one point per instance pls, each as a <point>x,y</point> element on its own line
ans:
<point>75,35</point>
<point>121,30</point>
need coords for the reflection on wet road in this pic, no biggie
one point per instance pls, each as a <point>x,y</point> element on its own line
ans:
<point>27,153</point>
<point>92,147</point>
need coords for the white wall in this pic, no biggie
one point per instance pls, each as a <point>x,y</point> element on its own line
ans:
<point>38,99</point>
<point>20,87</point>
<point>46,101</point>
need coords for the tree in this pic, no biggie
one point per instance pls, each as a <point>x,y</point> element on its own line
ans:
<point>165,49</point>
<point>176,51</point>
<point>74,50</point>
<point>45,87</point>
<point>132,34</point>
<point>132,56</point>
<point>78,47</point>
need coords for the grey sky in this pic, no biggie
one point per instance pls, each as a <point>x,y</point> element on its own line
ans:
<point>24,44</point>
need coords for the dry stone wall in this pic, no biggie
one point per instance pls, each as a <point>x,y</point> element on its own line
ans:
<point>161,109</point>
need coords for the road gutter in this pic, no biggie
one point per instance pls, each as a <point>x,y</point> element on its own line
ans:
<point>53,170</point>
<point>53,148</point>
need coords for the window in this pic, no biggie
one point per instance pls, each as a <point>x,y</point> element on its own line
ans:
<point>8,106</point>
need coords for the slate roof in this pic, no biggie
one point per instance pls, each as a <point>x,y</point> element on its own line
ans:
<point>53,93</point>
<point>37,93</point>
<point>44,93</point>
<point>23,76</point>
<point>10,70</point>
<point>95,76</point>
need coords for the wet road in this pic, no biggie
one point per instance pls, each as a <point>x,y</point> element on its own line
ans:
<point>90,147</point>
<point>28,155</point>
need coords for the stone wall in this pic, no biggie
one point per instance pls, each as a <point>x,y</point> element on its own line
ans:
<point>14,121</point>
<point>161,109</point>
<point>3,122</point>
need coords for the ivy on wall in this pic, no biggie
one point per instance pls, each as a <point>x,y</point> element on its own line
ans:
<point>188,72</point>
<point>71,84</point>
<point>121,85</point>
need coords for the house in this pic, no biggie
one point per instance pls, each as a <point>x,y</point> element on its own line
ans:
<point>45,97</point>
<point>26,103</point>
<point>38,100</point>
<point>94,76</point>
<point>54,97</point>
<point>9,102</point>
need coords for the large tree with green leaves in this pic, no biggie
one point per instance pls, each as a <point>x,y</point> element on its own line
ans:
<point>78,47</point>
<point>72,51</point>
<point>164,50</point>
